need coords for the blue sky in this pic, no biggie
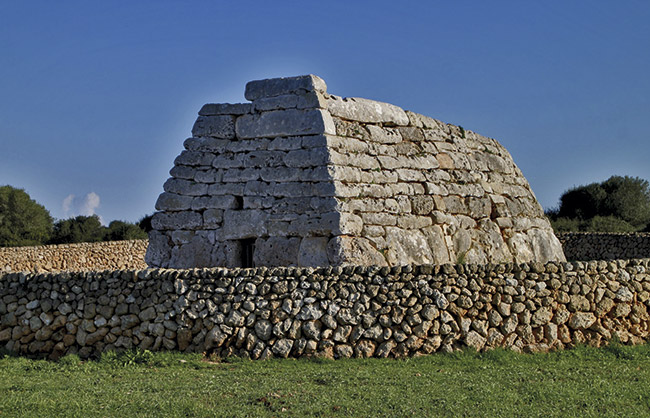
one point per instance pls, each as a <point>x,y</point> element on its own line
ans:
<point>96,98</point>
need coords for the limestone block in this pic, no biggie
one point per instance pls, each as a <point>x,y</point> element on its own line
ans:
<point>194,158</point>
<point>262,158</point>
<point>520,248</point>
<point>384,135</point>
<point>282,174</point>
<point>185,187</point>
<point>313,157</point>
<point>228,160</point>
<point>290,143</point>
<point>318,224</point>
<point>349,224</point>
<point>212,218</point>
<point>276,251</point>
<point>241,175</point>
<point>183,172</point>
<point>173,202</point>
<point>246,145</point>
<point>240,224</point>
<point>206,144</point>
<point>436,241</point>
<point>282,86</point>
<point>176,220</point>
<point>344,250</point>
<point>313,252</point>
<point>213,202</point>
<point>158,250</point>
<point>488,236</point>
<point>213,109</point>
<point>545,245</point>
<point>196,253</point>
<point>302,100</point>
<point>411,133</point>
<point>422,121</point>
<point>182,237</point>
<point>364,110</point>
<point>407,247</point>
<point>207,176</point>
<point>220,126</point>
<point>290,122</point>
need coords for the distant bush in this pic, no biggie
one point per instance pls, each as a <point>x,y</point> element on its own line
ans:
<point>22,220</point>
<point>78,229</point>
<point>618,204</point>
<point>90,229</point>
<point>120,230</point>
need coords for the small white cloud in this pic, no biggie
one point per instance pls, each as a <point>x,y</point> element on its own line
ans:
<point>67,205</point>
<point>86,205</point>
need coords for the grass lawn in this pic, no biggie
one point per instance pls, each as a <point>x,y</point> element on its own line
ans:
<point>611,381</point>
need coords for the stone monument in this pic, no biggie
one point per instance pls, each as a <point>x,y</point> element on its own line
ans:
<point>299,177</point>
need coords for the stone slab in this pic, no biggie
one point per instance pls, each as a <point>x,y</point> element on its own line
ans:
<point>290,122</point>
<point>281,86</point>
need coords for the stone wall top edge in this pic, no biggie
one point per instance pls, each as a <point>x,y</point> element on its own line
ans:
<point>427,269</point>
<point>74,245</point>
<point>621,234</point>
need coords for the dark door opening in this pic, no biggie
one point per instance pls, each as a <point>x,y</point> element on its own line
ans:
<point>247,250</point>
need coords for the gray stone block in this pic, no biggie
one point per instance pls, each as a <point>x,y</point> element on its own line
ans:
<point>364,110</point>
<point>171,221</point>
<point>281,86</point>
<point>173,202</point>
<point>313,252</point>
<point>221,126</point>
<point>185,187</point>
<point>213,109</point>
<point>290,122</point>
<point>241,224</point>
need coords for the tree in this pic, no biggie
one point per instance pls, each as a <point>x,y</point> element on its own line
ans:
<point>22,220</point>
<point>618,204</point>
<point>79,229</point>
<point>119,230</point>
<point>145,223</point>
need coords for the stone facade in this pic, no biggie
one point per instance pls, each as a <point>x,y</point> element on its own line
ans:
<point>85,256</point>
<point>605,246</point>
<point>331,312</point>
<point>299,177</point>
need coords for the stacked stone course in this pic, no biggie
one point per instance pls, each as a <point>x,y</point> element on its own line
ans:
<point>604,246</point>
<point>85,256</point>
<point>301,177</point>
<point>333,312</point>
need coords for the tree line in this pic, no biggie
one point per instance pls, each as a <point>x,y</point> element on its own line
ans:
<point>25,222</point>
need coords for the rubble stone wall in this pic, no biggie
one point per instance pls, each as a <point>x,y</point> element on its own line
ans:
<point>85,256</point>
<point>604,246</point>
<point>299,177</point>
<point>332,312</point>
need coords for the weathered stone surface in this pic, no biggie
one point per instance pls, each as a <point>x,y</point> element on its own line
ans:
<point>212,109</point>
<point>313,252</point>
<point>344,250</point>
<point>220,126</point>
<point>290,122</point>
<point>364,110</point>
<point>282,86</point>
<point>581,320</point>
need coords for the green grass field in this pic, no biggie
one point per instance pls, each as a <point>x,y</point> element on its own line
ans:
<point>611,381</point>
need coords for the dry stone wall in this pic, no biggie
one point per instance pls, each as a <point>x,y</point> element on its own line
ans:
<point>86,256</point>
<point>332,312</point>
<point>304,178</point>
<point>604,246</point>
